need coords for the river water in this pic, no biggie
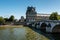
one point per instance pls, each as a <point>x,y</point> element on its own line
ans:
<point>19,34</point>
<point>12,34</point>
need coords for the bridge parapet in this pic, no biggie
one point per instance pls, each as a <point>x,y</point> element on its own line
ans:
<point>53,23</point>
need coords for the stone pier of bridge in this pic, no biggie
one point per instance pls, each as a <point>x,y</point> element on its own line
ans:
<point>49,25</point>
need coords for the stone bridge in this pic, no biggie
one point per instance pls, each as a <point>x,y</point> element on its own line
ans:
<point>47,25</point>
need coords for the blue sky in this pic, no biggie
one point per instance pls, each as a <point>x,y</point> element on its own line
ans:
<point>18,7</point>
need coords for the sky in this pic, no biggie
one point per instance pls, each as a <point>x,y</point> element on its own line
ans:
<point>18,7</point>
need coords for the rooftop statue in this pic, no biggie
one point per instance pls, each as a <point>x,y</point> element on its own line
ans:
<point>30,9</point>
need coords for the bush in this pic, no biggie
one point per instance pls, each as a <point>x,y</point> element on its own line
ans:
<point>2,21</point>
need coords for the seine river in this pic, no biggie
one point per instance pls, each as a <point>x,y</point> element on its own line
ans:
<point>12,34</point>
<point>19,34</point>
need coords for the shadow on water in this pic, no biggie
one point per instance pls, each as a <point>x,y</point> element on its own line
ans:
<point>51,36</point>
<point>19,34</point>
<point>56,32</point>
<point>56,36</point>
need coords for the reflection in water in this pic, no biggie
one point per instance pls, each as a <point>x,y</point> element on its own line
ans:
<point>56,36</point>
<point>12,34</point>
<point>20,34</point>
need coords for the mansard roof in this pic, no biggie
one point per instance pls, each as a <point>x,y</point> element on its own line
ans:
<point>41,14</point>
<point>30,8</point>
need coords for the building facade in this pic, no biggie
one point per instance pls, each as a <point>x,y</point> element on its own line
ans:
<point>32,15</point>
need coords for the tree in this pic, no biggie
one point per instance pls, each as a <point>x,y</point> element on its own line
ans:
<point>6,19</point>
<point>2,21</point>
<point>11,19</point>
<point>15,20</point>
<point>58,17</point>
<point>54,16</point>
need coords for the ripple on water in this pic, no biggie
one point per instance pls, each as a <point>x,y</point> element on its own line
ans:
<point>12,34</point>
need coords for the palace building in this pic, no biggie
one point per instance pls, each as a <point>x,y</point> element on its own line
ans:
<point>32,15</point>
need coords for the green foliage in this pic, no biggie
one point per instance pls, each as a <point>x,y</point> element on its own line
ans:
<point>11,18</point>
<point>54,16</point>
<point>6,19</point>
<point>2,21</point>
<point>58,17</point>
<point>15,20</point>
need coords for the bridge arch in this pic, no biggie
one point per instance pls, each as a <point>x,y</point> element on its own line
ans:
<point>43,26</point>
<point>56,32</point>
<point>56,29</point>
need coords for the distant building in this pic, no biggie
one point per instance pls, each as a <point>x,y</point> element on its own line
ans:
<point>32,15</point>
<point>42,16</point>
<point>22,19</point>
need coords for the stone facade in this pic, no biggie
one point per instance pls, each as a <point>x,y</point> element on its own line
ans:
<point>32,15</point>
